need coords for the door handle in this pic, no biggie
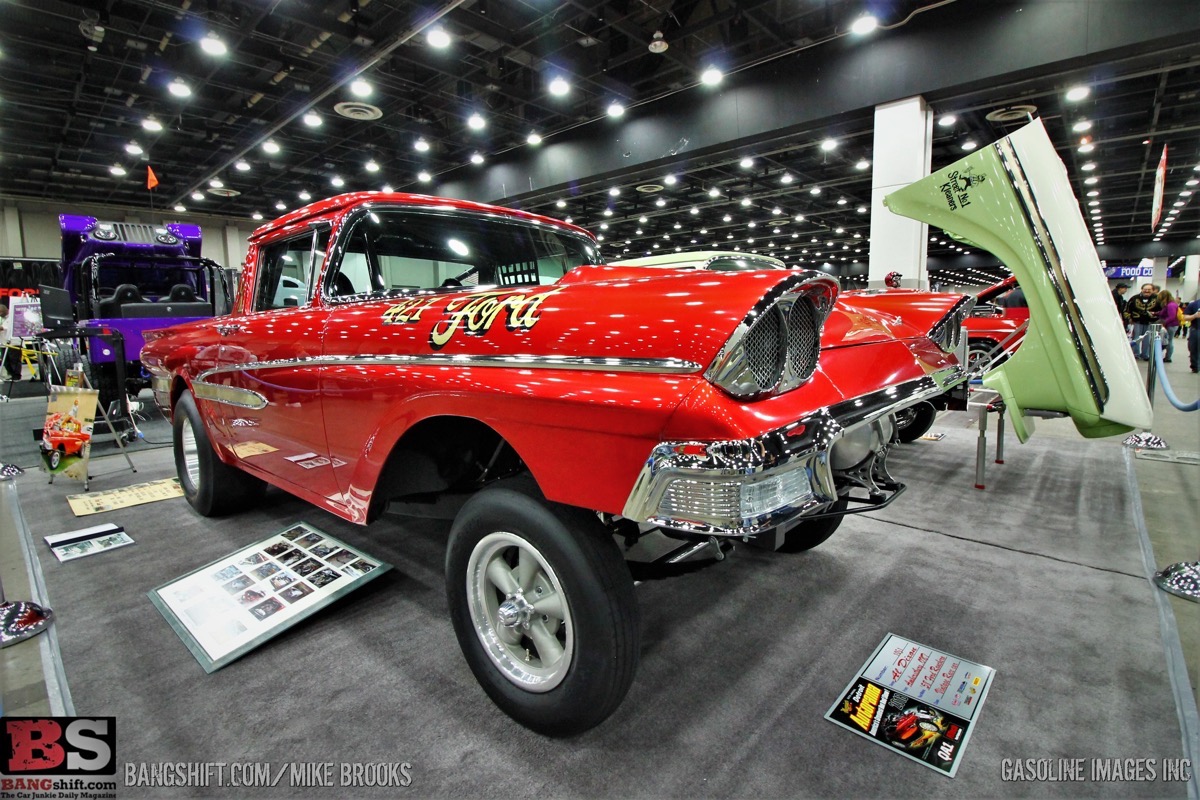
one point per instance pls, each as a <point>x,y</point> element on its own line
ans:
<point>229,330</point>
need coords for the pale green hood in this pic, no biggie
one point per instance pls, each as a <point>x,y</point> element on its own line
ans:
<point>1013,198</point>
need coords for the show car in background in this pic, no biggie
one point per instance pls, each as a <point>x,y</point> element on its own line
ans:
<point>129,278</point>
<point>473,358</point>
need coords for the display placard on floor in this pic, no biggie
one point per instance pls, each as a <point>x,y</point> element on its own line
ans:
<point>916,700</point>
<point>124,497</point>
<point>225,609</point>
<point>87,541</point>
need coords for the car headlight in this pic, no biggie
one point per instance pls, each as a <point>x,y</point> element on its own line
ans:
<point>104,233</point>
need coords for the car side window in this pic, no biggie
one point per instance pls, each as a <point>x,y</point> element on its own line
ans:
<point>286,270</point>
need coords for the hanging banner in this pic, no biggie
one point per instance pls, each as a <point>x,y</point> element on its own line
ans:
<point>1160,183</point>
<point>67,432</point>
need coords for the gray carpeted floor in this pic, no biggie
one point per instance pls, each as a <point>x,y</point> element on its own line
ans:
<point>1040,577</point>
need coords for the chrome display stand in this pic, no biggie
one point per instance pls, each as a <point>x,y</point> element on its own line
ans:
<point>993,404</point>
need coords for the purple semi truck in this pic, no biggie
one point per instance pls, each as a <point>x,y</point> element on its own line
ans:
<point>130,278</point>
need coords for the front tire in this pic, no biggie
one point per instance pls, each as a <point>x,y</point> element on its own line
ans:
<point>913,422</point>
<point>543,607</point>
<point>212,487</point>
<point>55,459</point>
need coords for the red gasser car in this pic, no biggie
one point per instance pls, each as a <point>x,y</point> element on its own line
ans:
<point>467,357</point>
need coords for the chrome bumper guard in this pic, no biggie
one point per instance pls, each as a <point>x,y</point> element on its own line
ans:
<point>743,487</point>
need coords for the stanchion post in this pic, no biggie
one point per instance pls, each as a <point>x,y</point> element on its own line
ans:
<point>981,447</point>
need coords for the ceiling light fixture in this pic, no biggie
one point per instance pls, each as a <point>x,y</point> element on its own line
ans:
<point>559,86</point>
<point>476,122</point>
<point>786,178</point>
<point>213,45</point>
<point>360,88</point>
<point>305,196</point>
<point>180,208</point>
<point>714,192</point>
<point>533,138</point>
<point>421,146</point>
<point>242,166</point>
<point>424,177</point>
<point>371,166</point>
<point>386,188</point>
<point>312,119</point>
<point>615,109</point>
<point>864,25</point>
<point>657,44</point>
<point>216,183</point>
<point>476,158</point>
<point>1077,93</point>
<point>969,145</point>
<point>117,170</point>
<point>561,204</point>
<point>255,215</point>
<point>197,196</point>
<point>862,164</point>
<point>660,202</point>
<point>1092,181</point>
<point>947,120</point>
<point>1081,126</point>
<point>437,37</point>
<point>613,192</point>
<point>747,162</point>
<point>670,180</point>
<point>711,76</point>
<point>280,206</point>
<point>829,144</point>
<point>152,125</point>
<point>814,191</point>
<point>1087,147</point>
<point>179,89</point>
<point>337,182</point>
<point>1088,167</point>
<point>270,147</point>
<point>134,149</point>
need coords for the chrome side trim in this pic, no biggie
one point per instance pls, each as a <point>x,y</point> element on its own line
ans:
<point>668,366</point>
<point>228,395</point>
<point>804,444</point>
<point>947,333</point>
<point>1057,275</point>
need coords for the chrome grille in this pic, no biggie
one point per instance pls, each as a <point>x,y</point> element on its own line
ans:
<point>764,345</point>
<point>134,232</point>
<point>803,342</point>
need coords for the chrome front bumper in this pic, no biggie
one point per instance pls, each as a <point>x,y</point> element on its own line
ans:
<point>744,487</point>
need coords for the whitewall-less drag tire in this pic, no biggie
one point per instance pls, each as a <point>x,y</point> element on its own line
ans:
<point>543,607</point>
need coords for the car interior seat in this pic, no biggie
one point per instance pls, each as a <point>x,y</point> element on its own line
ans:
<point>342,287</point>
<point>182,293</point>
<point>125,293</point>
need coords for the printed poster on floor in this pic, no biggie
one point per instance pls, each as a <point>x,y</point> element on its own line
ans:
<point>915,700</point>
<point>67,431</point>
<point>225,609</point>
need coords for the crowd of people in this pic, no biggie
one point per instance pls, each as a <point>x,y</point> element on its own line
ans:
<point>1154,305</point>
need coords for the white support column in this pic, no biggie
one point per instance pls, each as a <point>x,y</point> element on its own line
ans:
<point>1159,278</point>
<point>235,247</point>
<point>12,246</point>
<point>900,155</point>
<point>1189,290</point>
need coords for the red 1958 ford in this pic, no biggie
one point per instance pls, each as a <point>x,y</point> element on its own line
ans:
<point>390,347</point>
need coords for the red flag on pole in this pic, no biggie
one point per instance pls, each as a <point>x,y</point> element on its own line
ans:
<point>151,178</point>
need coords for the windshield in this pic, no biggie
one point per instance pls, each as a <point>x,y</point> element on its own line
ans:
<point>399,250</point>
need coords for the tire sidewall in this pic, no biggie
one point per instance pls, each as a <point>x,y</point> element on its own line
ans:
<point>572,704</point>
<point>198,495</point>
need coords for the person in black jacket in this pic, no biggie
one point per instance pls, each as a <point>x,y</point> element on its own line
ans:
<point>1140,312</point>
<point>1118,295</point>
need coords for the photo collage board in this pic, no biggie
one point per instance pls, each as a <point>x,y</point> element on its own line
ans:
<point>229,607</point>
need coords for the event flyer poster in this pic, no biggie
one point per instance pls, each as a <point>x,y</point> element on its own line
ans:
<point>916,700</point>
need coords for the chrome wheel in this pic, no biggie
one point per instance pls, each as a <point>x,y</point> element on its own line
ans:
<point>519,611</point>
<point>191,452</point>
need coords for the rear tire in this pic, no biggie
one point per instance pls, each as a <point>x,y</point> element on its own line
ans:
<point>913,422</point>
<point>211,486</point>
<point>543,607</point>
<point>808,535</point>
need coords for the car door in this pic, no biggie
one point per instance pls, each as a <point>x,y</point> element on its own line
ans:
<point>269,374</point>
